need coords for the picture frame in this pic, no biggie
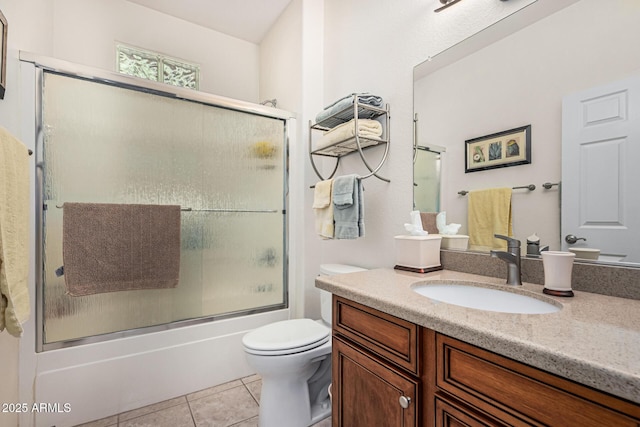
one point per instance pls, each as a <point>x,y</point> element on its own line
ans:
<point>3,54</point>
<point>499,150</point>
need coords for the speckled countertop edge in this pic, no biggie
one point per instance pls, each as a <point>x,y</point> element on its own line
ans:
<point>594,340</point>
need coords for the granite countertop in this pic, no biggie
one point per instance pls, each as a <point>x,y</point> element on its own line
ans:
<point>593,340</point>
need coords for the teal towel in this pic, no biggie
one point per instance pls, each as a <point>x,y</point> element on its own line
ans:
<point>348,212</point>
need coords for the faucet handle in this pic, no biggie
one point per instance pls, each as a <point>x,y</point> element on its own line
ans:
<point>511,242</point>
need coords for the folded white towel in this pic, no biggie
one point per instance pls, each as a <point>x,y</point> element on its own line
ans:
<point>14,233</point>
<point>323,209</point>
<point>370,129</point>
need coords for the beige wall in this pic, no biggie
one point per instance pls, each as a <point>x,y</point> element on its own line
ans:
<point>373,46</point>
<point>521,80</point>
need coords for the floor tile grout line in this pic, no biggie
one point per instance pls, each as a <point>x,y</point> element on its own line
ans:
<point>193,418</point>
<point>186,400</point>
<point>251,394</point>
<point>152,412</point>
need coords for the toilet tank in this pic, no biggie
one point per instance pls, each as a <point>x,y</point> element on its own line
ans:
<point>325,297</point>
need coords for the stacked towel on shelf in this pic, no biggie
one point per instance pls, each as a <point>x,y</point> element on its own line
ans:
<point>345,102</point>
<point>489,213</point>
<point>323,209</point>
<point>14,234</point>
<point>118,247</point>
<point>370,129</point>
<point>348,204</point>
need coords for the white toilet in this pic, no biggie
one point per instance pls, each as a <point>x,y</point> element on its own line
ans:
<point>293,357</point>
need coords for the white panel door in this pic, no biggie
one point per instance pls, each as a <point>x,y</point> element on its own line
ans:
<point>601,169</point>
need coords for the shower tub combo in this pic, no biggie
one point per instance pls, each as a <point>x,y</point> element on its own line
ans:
<point>112,140</point>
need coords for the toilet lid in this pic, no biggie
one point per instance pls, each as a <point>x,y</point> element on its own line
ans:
<point>287,336</point>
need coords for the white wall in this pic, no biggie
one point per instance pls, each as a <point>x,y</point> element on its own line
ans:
<point>10,118</point>
<point>347,46</point>
<point>85,32</point>
<point>372,46</point>
<point>521,80</point>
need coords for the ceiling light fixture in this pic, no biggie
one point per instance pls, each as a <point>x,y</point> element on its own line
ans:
<point>446,4</point>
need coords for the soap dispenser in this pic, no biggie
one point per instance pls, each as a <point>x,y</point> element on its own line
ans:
<point>533,245</point>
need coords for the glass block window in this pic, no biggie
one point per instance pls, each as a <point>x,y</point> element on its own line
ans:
<point>157,67</point>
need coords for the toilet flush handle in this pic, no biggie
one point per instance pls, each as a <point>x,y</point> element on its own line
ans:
<point>405,401</point>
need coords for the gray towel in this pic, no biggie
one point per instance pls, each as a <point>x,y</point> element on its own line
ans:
<point>348,212</point>
<point>114,247</point>
<point>344,102</point>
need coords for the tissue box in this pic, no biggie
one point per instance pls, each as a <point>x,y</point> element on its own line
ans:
<point>458,242</point>
<point>418,253</point>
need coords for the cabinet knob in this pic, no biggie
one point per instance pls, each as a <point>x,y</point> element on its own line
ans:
<point>405,401</point>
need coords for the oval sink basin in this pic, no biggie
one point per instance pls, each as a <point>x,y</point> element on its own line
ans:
<point>487,299</point>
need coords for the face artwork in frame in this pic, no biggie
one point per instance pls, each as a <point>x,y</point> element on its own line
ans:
<point>508,148</point>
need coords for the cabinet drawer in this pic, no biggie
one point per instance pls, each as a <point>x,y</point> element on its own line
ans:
<point>449,414</point>
<point>394,339</point>
<point>493,383</point>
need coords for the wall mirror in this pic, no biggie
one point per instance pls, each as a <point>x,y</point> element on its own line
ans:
<point>516,73</point>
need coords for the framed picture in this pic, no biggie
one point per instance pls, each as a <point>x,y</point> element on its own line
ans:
<point>508,148</point>
<point>3,54</point>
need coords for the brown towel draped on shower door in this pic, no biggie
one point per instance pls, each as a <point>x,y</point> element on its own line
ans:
<point>119,247</point>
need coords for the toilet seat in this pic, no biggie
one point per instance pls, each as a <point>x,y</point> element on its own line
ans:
<point>286,337</point>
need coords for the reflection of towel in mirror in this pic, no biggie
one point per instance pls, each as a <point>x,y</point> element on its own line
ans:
<point>370,129</point>
<point>348,203</point>
<point>323,209</point>
<point>489,213</point>
<point>14,234</point>
<point>429,222</point>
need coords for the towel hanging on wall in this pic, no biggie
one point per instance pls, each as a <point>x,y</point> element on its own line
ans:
<point>323,209</point>
<point>14,234</point>
<point>119,247</point>
<point>489,213</point>
<point>348,207</point>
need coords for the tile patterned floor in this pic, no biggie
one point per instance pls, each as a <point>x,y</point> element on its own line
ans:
<point>233,404</point>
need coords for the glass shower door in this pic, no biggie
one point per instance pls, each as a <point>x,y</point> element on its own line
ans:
<point>104,143</point>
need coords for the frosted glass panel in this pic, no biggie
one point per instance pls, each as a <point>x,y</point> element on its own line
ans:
<point>426,180</point>
<point>106,144</point>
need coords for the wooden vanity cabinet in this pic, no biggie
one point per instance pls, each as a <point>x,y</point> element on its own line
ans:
<point>389,372</point>
<point>376,368</point>
<point>501,391</point>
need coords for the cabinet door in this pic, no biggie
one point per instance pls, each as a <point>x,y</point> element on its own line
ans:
<point>367,392</point>
<point>449,414</point>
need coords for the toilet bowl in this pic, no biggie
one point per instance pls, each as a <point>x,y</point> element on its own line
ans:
<point>293,357</point>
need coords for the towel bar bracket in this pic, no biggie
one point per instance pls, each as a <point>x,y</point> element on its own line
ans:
<point>548,185</point>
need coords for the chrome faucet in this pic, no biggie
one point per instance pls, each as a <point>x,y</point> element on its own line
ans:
<point>512,258</point>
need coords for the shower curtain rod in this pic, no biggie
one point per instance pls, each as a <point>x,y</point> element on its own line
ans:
<point>217,210</point>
